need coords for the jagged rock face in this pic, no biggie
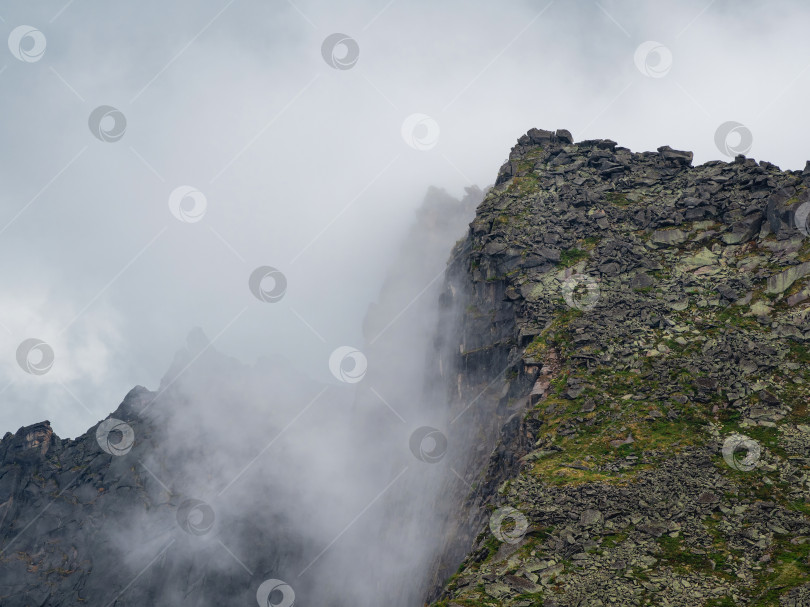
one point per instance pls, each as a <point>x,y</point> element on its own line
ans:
<point>103,520</point>
<point>645,322</point>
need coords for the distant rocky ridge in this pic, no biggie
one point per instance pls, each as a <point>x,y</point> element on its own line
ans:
<point>96,520</point>
<point>646,324</point>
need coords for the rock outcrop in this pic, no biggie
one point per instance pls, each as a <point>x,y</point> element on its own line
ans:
<point>646,324</point>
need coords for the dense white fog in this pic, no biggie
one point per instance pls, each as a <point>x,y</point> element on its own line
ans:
<point>303,166</point>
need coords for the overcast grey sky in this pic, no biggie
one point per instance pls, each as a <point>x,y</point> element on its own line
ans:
<point>303,166</point>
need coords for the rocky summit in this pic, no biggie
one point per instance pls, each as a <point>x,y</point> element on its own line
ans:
<point>620,343</point>
<point>642,324</point>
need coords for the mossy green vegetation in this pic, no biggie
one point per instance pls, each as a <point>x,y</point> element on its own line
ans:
<point>573,256</point>
<point>617,198</point>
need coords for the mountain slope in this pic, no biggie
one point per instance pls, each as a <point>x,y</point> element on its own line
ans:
<point>646,323</point>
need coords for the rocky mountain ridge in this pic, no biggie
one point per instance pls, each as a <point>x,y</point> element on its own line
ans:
<point>646,323</point>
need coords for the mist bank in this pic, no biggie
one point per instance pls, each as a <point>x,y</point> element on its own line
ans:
<point>304,166</point>
<point>228,476</point>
